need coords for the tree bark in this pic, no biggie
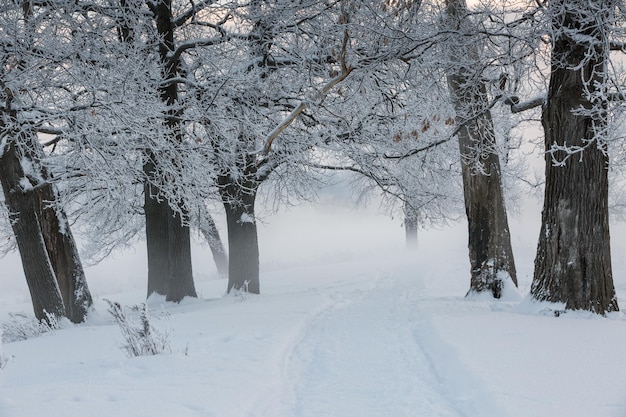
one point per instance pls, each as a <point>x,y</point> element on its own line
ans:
<point>167,231</point>
<point>63,255</point>
<point>32,206</point>
<point>573,263</point>
<point>157,215</point>
<point>20,201</point>
<point>490,250</point>
<point>243,246</point>
<point>60,244</point>
<point>207,227</point>
<point>181,283</point>
<point>168,242</point>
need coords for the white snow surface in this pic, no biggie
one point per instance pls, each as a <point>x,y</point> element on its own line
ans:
<point>377,332</point>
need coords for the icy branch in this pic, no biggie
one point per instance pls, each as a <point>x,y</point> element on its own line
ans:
<point>526,105</point>
<point>195,44</point>
<point>191,12</point>
<point>345,72</point>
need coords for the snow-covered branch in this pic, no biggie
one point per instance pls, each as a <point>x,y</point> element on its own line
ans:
<point>517,107</point>
<point>192,12</point>
<point>319,96</point>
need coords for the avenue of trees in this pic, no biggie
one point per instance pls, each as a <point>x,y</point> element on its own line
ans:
<point>123,120</point>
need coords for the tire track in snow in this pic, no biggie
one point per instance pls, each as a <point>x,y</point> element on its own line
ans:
<point>465,390</point>
<point>362,359</point>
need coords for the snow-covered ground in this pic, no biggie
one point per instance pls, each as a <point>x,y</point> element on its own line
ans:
<point>348,324</point>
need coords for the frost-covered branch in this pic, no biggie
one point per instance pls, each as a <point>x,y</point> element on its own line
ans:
<point>192,12</point>
<point>300,108</point>
<point>517,107</point>
<point>319,96</point>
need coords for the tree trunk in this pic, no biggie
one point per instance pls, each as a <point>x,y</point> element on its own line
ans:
<point>181,283</point>
<point>38,225</point>
<point>207,227</point>
<point>167,231</point>
<point>157,213</point>
<point>243,246</point>
<point>410,226</point>
<point>20,200</point>
<point>490,250</point>
<point>168,243</point>
<point>63,255</point>
<point>60,244</point>
<point>573,263</point>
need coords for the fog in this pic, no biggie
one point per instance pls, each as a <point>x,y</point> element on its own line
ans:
<point>334,230</point>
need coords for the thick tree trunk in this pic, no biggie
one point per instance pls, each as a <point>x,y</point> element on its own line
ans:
<point>60,245</point>
<point>207,227</point>
<point>157,213</point>
<point>180,272</point>
<point>573,263</point>
<point>243,246</point>
<point>167,234</point>
<point>34,208</point>
<point>20,200</point>
<point>169,250</point>
<point>63,255</point>
<point>490,250</point>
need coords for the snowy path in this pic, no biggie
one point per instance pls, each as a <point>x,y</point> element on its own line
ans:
<point>372,338</point>
<point>364,358</point>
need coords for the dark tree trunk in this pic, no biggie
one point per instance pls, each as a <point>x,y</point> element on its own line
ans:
<point>157,213</point>
<point>490,250</point>
<point>167,231</point>
<point>34,208</point>
<point>168,243</point>
<point>212,236</point>
<point>20,201</point>
<point>410,226</point>
<point>60,245</point>
<point>243,246</point>
<point>181,283</point>
<point>573,263</point>
<point>63,255</point>
<point>156,207</point>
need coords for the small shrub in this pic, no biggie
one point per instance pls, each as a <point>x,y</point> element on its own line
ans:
<point>240,294</point>
<point>21,327</point>
<point>142,339</point>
